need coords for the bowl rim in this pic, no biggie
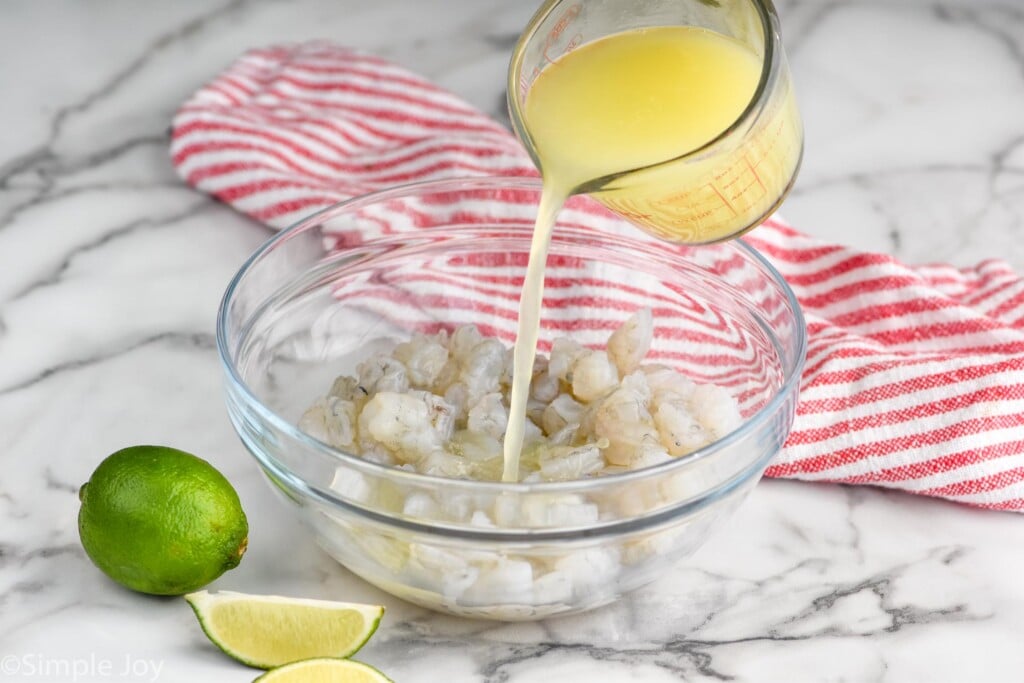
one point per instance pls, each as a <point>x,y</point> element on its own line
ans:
<point>458,184</point>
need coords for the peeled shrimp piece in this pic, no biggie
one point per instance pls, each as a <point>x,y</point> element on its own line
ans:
<point>563,410</point>
<point>716,409</point>
<point>508,368</point>
<point>481,368</point>
<point>535,411</point>
<point>659,543</point>
<point>374,452</point>
<point>564,511</point>
<point>459,506</point>
<point>591,570</point>
<point>650,454</point>
<point>386,553</point>
<point>351,485</point>
<point>421,505</point>
<point>457,396</point>
<point>593,376</point>
<point>552,588</point>
<point>509,581</point>
<point>434,568</point>
<point>645,495</point>
<point>663,378</point>
<point>532,435</point>
<point>628,345</point>
<point>382,373</point>
<point>682,485</point>
<point>544,511</point>
<point>401,423</point>
<point>564,354</point>
<point>566,436</point>
<point>463,340</point>
<point>347,389</point>
<point>634,499</point>
<point>482,454</point>
<point>564,463</point>
<point>332,421</point>
<point>481,520</point>
<point>588,425</point>
<point>678,430</point>
<point>475,446</point>
<point>624,420</point>
<point>489,416</point>
<point>442,414</point>
<point>544,386</point>
<point>423,357</point>
<point>441,463</point>
<point>706,413</point>
<point>447,378</point>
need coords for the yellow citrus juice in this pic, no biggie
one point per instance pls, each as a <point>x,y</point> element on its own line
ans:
<point>647,101</point>
<point>624,118</point>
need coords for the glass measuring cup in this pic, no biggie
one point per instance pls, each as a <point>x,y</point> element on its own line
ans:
<point>696,196</point>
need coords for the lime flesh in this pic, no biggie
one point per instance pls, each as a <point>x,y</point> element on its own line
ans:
<point>324,671</point>
<point>265,631</point>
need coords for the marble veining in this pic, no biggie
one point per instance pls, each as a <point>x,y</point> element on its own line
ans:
<point>111,270</point>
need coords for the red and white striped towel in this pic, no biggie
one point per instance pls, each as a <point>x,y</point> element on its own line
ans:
<point>914,377</point>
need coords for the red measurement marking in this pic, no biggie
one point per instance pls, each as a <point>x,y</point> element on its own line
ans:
<point>724,200</point>
<point>628,209</point>
<point>559,28</point>
<point>701,214</point>
<point>563,22</point>
<point>757,178</point>
<point>678,197</point>
<point>637,216</point>
<point>742,191</point>
<point>526,81</point>
<point>732,182</point>
<point>721,174</point>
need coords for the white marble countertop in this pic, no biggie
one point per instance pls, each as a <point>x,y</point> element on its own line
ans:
<point>111,270</point>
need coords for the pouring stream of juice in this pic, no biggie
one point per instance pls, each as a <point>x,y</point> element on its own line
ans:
<point>626,101</point>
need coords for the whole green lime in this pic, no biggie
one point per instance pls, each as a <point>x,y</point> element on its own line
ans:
<point>161,521</point>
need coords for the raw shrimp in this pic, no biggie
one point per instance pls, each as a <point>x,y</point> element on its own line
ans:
<point>439,404</point>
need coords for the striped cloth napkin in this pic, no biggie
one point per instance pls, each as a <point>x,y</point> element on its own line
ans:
<point>914,377</point>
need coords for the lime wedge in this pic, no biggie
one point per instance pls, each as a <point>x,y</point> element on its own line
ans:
<point>265,631</point>
<point>324,671</point>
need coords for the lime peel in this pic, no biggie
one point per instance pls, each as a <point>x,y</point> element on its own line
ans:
<point>159,520</point>
<point>266,631</point>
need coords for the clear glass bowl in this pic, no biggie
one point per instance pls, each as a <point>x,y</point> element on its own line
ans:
<point>326,293</point>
